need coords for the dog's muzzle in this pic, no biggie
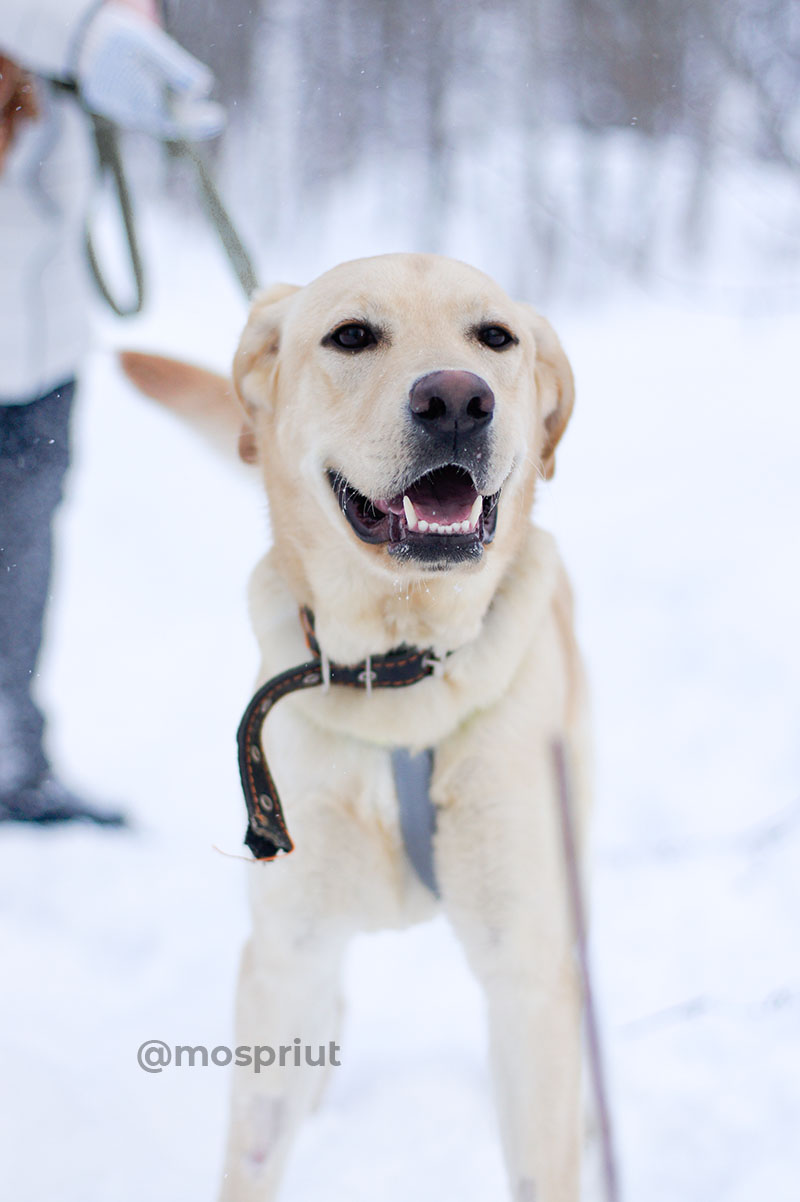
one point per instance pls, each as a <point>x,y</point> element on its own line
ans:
<point>443,515</point>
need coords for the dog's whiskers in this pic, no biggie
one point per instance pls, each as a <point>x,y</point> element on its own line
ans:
<point>537,465</point>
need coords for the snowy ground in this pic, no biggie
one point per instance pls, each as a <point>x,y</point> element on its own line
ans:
<point>675,503</point>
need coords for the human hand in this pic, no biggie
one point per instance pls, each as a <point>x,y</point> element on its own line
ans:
<point>133,73</point>
<point>17,101</point>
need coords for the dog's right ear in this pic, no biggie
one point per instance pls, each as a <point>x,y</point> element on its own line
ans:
<point>257,353</point>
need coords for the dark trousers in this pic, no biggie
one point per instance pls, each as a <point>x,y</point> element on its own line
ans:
<point>34,455</point>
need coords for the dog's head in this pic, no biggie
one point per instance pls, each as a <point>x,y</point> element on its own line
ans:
<point>403,407</point>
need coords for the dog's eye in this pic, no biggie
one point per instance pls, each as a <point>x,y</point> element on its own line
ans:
<point>495,336</point>
<point>353,337</point>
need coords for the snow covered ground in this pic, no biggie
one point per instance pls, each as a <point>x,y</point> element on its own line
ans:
<point>675,503</point>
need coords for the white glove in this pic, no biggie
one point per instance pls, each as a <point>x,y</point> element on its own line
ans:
<point>132,72</point>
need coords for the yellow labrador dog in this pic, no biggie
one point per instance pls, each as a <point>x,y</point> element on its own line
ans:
<point>401,410</point>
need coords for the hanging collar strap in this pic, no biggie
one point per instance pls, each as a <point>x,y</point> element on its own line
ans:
<point>266,829</point>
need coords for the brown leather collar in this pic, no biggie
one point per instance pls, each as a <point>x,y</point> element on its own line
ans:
<point>266,829</point>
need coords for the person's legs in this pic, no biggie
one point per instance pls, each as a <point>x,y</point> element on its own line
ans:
<point>34,455</point>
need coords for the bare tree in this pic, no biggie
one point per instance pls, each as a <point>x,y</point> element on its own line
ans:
<point>419,95</point>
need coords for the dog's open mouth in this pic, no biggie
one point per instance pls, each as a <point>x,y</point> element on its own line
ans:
<point>441,517</point>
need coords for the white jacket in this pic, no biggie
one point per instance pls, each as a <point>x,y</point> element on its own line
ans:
<point>45,186</point>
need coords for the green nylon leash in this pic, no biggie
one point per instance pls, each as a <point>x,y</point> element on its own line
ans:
<point>219,217</point>
<point>109,157</point>
<point>106,136</point>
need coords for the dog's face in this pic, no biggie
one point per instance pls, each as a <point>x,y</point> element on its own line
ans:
<point>403,407</point>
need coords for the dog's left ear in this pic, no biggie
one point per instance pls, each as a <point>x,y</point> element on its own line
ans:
<point>555,387</point>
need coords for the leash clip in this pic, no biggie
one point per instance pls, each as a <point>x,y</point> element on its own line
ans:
<point>366,676</point>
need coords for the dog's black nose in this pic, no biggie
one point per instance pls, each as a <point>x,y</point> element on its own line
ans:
<point>451,404</point>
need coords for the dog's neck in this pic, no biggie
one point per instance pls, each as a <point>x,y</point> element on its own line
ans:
<point>370,615</point>
<point>489,630</point>
<point>359,614</point>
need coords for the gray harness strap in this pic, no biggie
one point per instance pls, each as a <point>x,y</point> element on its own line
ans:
<point>412,781</point>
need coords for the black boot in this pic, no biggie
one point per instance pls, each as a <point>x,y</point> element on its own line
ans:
<point>46,801</point>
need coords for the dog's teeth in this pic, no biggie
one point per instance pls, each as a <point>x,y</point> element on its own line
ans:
<point>411,514</point>
<point>423,527</point>
<point>475,513</point>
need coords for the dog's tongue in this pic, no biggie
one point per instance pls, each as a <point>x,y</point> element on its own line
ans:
<point>442,498</point>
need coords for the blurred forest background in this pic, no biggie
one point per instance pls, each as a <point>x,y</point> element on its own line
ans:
<point>584,139</point>
<point>634,170</point>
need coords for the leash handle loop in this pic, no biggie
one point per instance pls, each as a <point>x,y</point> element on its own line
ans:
<point>107,141</point>
<point>106,136</point>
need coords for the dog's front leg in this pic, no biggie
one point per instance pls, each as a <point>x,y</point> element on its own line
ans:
<point>288,1013</point>
<point>535,1046</point>
<point>501,871</point>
